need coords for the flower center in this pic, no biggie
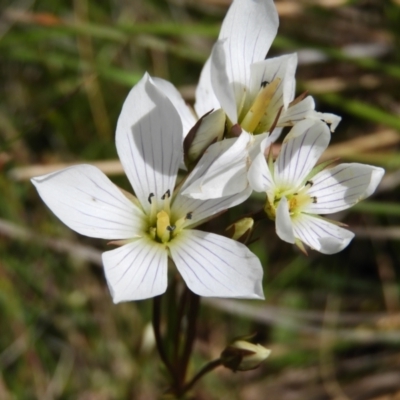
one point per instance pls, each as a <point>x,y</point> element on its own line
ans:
<point>161,228</point>
<point>259,110</point>
<point>296,201</point>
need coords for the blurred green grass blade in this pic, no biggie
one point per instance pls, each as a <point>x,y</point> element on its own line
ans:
<point>118,75</point>
<point>144,41</point>
<point>362,110</point>
<point>122,32</point>
<point>205,30</point>
<point>51,59</point>
<point>386,160</point>
<point>95,31</point>
<point>333,53</point>
<point>377,208</point>
<point>64,61</point>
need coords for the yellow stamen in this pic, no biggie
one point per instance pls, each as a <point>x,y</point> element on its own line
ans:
<point>259,106</point>
<point>163,223</point>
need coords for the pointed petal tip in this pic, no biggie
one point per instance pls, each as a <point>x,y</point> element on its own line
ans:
<point>332,247</point>
<point>378,173</point>
<point>116,299</point>
<point>322,235</point>
<point>259,292</point>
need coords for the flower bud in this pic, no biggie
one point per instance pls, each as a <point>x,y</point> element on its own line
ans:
<point>243,356</point>
<point>208,129</point>
<point>240,230</point>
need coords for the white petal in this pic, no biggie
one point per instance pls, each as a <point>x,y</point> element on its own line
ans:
<point>343,186</point>
<point>215,266</point>
<point>306,109</point>
<point>283,67</point>
<point>223,89</point>
<point>201,210</point>
<point>321,235</point>
<point>331,119</point>
<point>297,112</point>
<point>249,27</point>
<point>137,270</point>
<point>283,222</point>
<point>222,171</point>
<point>85,200</point>
<point>259,175</point>
<point>149,141</point>
<point>205,96</point>
<point>185,112</point>
<point>300,151</point>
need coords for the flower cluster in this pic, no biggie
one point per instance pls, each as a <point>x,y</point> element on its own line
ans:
<point>243,101</point>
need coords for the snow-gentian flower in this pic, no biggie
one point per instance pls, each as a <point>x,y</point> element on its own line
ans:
<point>254,92</point>
<point>158,222</point>
<point>297,194</point>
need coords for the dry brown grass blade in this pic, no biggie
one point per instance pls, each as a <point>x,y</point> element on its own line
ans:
<point>364,143</point>
<point>268,316</point>
<point>285,8</point>
<point>380,139</point>
<point>110,167</point>
<point>378,232</point>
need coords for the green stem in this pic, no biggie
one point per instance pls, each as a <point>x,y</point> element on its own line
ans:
<point>158,339</point>
<point>205,370</point>
<point>192,313</point>
<point>178,327</point>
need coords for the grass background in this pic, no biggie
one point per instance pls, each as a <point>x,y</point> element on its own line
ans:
<point>333,322</point>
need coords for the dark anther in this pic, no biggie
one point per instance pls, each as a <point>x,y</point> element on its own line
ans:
<point>150,196</point>
<point>309,183</point>
<point>314,199</point>
<point>264,83</point>
<point>189,215</point>
<point>166,195</point>
<point>171,228</point>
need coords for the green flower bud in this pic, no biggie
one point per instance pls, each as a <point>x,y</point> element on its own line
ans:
<point>243,356</point>
<point>240,230</point>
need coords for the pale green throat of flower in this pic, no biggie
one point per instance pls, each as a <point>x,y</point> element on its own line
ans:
<point>162,228</point>
<point>257,118</point>
<point>297,200</point>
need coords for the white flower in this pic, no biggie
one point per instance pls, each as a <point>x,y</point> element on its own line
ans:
<point>296,195</point>
<point>250,89</point>
<point>159,222</point>
<point>255,94</point>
